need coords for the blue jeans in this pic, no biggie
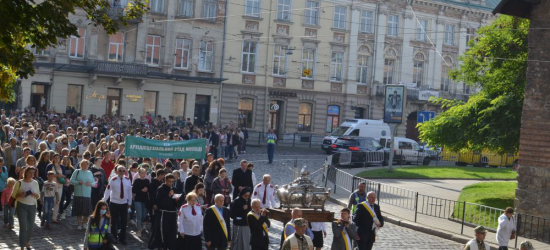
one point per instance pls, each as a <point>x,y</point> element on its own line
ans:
<point>26,215</point>
<point>49,202</point>
<point>9,212</point>
<point>270,152</point>
<point>229,152</point>
<point>141,213</point>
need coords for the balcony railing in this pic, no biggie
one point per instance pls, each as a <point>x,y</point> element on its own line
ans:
<point>116,68</point>
<point>116,11</point>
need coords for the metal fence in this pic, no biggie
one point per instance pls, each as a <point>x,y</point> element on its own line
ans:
<point>465,213</point>
<point>303,140</point>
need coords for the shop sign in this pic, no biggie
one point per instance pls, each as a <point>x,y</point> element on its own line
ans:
<point>424,95</point>
<point>133,98</point>
<point>95,96</point>
<point>282,93</point>
<point>274,107</point>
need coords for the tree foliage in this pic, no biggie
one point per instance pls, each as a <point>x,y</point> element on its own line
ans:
<point>491,119</point>
<point>41,22</point>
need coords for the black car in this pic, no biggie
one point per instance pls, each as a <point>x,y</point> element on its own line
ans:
<point>364,151</point>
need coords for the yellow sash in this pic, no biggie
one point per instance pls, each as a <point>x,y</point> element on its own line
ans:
<point>220,219</point>
<point>258,218</point>
<point>284,229</point>
<point>345,239</point>
<point>368,209</point>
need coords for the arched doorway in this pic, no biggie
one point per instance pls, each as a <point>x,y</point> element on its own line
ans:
<point>412,131</point>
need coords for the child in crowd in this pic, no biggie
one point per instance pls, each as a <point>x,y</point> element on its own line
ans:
<point>49,196</point>
<point>8,211</point>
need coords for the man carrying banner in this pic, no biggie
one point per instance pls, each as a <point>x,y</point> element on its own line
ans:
<point>217,228</point>
<point>368,219</point>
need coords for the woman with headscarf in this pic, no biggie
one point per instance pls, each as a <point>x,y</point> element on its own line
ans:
<point>239,208</point>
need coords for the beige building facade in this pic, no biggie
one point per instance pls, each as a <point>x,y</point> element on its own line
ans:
<point>304,66</point>
<point>168,63</point>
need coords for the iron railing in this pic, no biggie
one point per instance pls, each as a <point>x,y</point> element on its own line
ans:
<point>116,68</point>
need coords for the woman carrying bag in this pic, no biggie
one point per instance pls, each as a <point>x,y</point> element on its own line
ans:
<point>25,194</point>
<point>97,233</point>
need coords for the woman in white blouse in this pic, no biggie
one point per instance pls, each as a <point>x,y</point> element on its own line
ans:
<point>190,224</point>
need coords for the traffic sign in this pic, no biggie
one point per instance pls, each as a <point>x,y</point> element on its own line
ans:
<point>424,116</point>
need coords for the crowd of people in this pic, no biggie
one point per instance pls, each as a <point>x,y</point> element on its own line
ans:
<point>58,165</point>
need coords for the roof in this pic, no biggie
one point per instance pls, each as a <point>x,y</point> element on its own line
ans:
<point>518,8</point>
<point>487,5</point>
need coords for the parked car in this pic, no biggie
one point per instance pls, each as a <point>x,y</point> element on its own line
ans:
<point>376,129</point>
<point>364,151</point>
<point>408,151</point>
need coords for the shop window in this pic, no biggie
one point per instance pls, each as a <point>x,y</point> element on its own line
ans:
<point>333,118</point>
<point>304,116</point>
<point>246,107</point>
<point>74,103</point>
<point>178,105</point>
<point>150,102</point>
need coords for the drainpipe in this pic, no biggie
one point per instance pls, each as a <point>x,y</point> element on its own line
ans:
<point>222,65</point>
<point>266,105</point>
<point>374,50</point>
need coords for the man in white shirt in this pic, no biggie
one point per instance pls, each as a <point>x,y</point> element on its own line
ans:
<point>506,228</point>
<point>265,192</point>
<point>120,192</point>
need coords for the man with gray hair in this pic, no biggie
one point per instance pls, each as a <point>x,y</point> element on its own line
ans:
<point>265,192</point>
<point>50,141</point>
<point>368,219</point>
<point>290,228</point>
<point>216,225</point>
<point>258,224</point>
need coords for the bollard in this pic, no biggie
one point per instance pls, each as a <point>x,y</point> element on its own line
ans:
<point>294,140</point>
<point>463,215</point>
<point>416,207</point>
<point>378,193</point>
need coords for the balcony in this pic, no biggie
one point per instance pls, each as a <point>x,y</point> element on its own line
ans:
<point>120,69</point>
<point>116,11</point>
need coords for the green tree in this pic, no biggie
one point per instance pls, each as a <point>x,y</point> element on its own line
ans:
<point>491,119</point>
<point>40,23</point>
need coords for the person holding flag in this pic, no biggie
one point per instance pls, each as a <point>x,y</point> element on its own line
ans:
<point>258,224</point>
<point>368,219</point>
<point>217,227</point>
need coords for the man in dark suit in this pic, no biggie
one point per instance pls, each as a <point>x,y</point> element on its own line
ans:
<point>242,177</point>
<point>214,141</point>
<point>217,233</point>
<point>258,224</point>
<point>368,219</point>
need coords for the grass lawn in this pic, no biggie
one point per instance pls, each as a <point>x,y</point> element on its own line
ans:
<point>491,194</point>
<point>444,172</point>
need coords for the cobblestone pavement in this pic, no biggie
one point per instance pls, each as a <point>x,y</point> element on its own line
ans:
<point>66,236</point>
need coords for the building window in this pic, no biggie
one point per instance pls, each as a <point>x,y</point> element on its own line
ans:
<point>333,118</point>
<point>183,47</point>
<point>393,25</point>
<point>389,67</point>
<point>206,54</point>
<point>74,104</point>
<point>284,12</point>
<point>336,66</point>
<point>449,34</point>
<point>150,102</point>
<point>418,69</point>
<point>366,21</point>
<point>421,30</point>
<point>178,105</point>
<point>77,44</point>
<point>465,88</point>
<point>304,116</point>
<point>340,17</point>
<point>209,9</point>
<point>360,113</point>
<point>308,63</point>
<point>445,79</point>
<point>157,6</point>
<point>279,60</point>
<point>41,52</point>
<point>312,13</point>
<point>116,46</point>
<point>114,97</point>
<point>249,57</point>
<point>246,107</point>
<point>153,50</point>
<point>252,8</point>
<point>186,8</point>
<point>362,69</point>
<point>470,34</point>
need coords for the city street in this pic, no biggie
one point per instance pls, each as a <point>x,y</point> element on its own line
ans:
<point>65,235</point>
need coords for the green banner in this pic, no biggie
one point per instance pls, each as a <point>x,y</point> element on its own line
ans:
<point>141,147</point>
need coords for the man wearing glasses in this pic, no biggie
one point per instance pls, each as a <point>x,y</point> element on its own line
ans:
<point>120,192</point>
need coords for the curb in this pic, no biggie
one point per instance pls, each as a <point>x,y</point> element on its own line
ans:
<point>458,179</point>
<point>422,228</point>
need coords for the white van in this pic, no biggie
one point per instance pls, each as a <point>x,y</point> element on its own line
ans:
<point>407,151</point>
<point>376,129</point>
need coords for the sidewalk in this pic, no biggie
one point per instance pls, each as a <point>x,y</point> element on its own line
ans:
<point>436,226</point>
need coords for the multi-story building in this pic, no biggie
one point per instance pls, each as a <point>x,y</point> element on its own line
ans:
<point>167,63</point>
<point>303,66</point>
